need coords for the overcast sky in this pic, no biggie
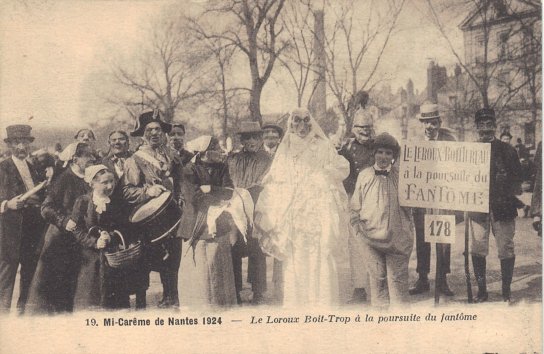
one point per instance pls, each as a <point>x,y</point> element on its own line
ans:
<point>47,49</point>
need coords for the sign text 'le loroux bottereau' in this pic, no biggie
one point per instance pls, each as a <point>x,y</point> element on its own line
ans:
<point>445,175</point>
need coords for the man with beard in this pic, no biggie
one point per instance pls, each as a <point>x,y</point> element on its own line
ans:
<point>272,134</point>
<point>247,169</point>
<point>504,184</point>
<point>150,171</point>
<point>430,119</point>
<point>359,151</point>
<point>21,225</point>
<point>119,152</point>
<point>176,139</point>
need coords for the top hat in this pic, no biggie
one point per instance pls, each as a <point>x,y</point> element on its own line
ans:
<point>483,114</point>
<point>149,117</point>
<point>249,127</point>
<point>272,125</point>
<point>18,131</point>
<point>362,118</point>
<point>428,111</point>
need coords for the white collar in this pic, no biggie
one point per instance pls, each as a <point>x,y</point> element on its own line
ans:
<point>101,202</point>
<point>18,161</point>
<point>388,169</point>
<point>76,172</point>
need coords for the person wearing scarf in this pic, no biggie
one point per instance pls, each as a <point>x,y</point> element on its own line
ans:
<point>301,213</point>
<point>150,171</point>
<point>97,214</point>
<point>207,277</point>
<point>54,283</point>
<point>385,227</point>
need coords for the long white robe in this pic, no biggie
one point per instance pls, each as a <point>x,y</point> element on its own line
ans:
<point>301,218</point>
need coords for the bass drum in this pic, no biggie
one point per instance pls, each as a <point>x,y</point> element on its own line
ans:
<point>157,218</point>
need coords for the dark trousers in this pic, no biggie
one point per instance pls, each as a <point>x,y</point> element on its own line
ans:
<point>256,267</point>
<point>169,270</point>
<point>423,249</point>
<point>28,259</point>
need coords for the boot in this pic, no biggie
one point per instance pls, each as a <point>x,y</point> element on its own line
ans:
<point>479,264</point>
<point>421,285</point>
<point>444,288</point>
<point>359,296</point>
<point>507,271</point>
<point>141,302</point>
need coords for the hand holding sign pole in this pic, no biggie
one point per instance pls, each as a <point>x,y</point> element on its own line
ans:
<point>449,176</point>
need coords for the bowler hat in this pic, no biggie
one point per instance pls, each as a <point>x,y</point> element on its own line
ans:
<point>18,131</point>
<point>428,111</point>
<point>149,117</point>
<point>249,127</point>
<point>483,114</point>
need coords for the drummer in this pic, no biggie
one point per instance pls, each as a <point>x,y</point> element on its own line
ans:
<point>150,171</point>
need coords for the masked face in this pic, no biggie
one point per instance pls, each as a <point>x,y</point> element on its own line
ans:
<point>177,138</point>
<point>362,133</point>
<point>118,143</point>
<point>486,130</point>
<point>251,142</point>
<point>19,147</point>
<point>104,184</point>
<point>153,134</point>
<point>506,139</point>
<point>271,138</point>
<point>431,127</point>
<point>383,157</point>
<point>301,125</point>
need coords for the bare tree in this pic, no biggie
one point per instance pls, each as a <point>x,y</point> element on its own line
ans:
<point>298,59</point>
<point>352,72</point>
<point>250,26</point>
<point>166,73</point>
<point>497,72</point>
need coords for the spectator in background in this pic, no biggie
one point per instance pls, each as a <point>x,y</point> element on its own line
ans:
<point>118,153</point>
<point>536,202</point>
<point>272,134</point>
<point>522,150</point>
<point>176,140</point>
<point>506,137</point>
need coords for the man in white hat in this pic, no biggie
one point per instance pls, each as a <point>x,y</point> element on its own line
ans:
<point>431,121</point>
<point>359,151</point>
<point>247,169</point>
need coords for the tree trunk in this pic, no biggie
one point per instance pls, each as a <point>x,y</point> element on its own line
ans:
<point>255,101</point>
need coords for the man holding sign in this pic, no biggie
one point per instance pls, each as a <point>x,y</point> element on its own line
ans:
<point>505,183</point>
<point>430,118</point>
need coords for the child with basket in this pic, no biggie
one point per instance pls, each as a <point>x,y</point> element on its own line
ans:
<point>108,259</point>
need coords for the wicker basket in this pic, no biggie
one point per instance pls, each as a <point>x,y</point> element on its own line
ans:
<point>125,257</point>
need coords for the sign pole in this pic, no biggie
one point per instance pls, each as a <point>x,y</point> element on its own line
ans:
<point>438,274</point>
<point>467,263</point>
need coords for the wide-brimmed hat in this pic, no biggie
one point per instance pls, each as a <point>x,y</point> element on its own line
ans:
<point>428,111</point>
<point>483,114</point>
<point>272,125</point>
<point>362,118</point>
<point>18,131</point>
<point>149,117</point>
<point>249,127</point>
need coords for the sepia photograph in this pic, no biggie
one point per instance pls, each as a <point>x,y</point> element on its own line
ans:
<point>287,176</point>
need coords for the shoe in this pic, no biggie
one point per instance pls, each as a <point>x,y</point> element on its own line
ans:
<point>444,288</point>
<point>165,303</point>
<point>507,271</point>
<point>422,285</point>
<point>481,297</point>
<point>359,296</point>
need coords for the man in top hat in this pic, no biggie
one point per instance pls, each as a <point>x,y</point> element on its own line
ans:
<point>150,171</point>
<point>359,151</point>
<point>247,169</point>
<point>505,183</point>
<point>431,121</point>
<point>21,224</point>
<point>176,140</point>
<point>272,134</point>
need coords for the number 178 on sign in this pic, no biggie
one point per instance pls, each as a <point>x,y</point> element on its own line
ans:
<point>440,228</point>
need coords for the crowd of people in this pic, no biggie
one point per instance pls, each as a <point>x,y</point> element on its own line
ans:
<point>87,230</point>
